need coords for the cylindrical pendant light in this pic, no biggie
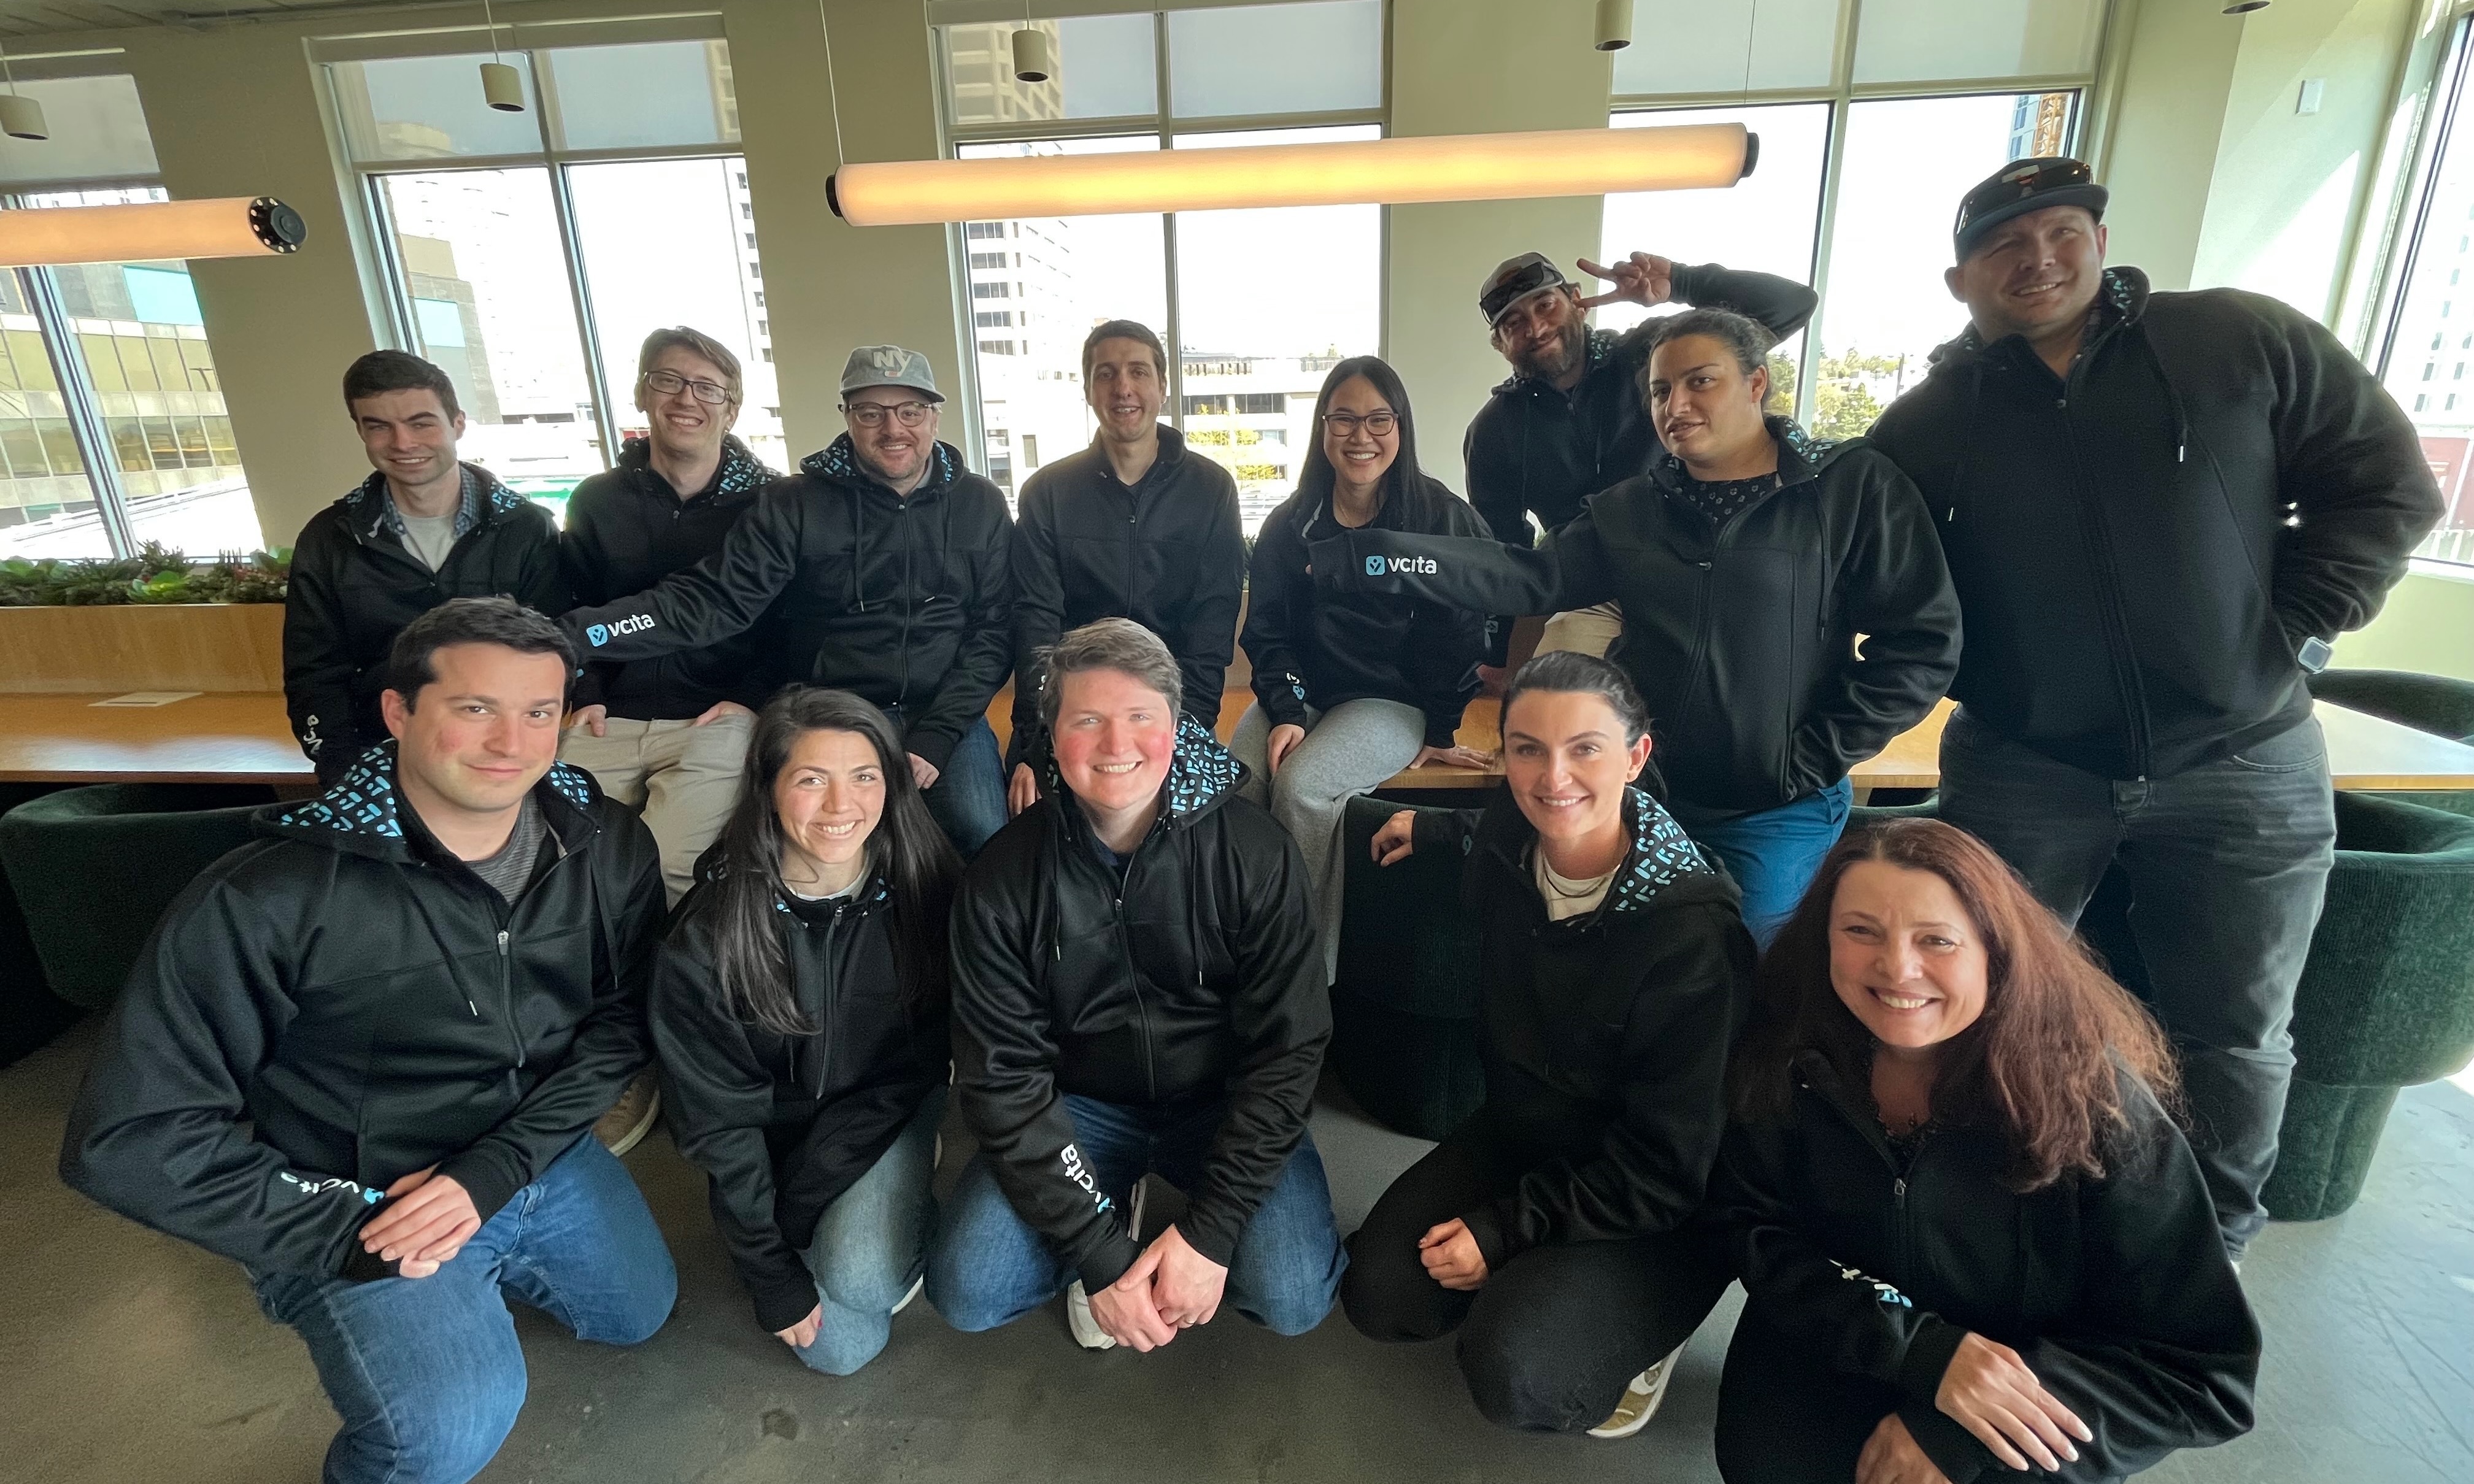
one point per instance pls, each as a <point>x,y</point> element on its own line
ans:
<point>502,88</point>
<point>1034,61</point>
<point>21,117</point>
<point>1448,167</point>
<point>1614,25</point>
<point>228,226</point>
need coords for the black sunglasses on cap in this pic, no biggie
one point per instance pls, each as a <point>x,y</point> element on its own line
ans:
<point>1515,279</point>
<point>2022,187</point>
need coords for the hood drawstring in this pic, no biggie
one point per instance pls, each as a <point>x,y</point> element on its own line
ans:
<point>2172,397</point>
<point>1966,427</point>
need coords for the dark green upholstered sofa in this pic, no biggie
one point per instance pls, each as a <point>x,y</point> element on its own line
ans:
<point>2438,704</point>
<point>93,867</point>
<point>1404,1006</point>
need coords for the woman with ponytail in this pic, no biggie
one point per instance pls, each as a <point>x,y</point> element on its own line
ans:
<point>799,1007</point>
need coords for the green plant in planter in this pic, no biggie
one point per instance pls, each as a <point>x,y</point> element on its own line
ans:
<point>156,574</point>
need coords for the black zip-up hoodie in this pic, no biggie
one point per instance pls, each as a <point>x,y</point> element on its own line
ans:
<point>330,1008</point>
<point>2142,548</point>
<point>354,585</point>
<point>781,1126</point>
<point>2115,1292</point>
<point>1606,1034</point>
<point>1195,977</point>
<point>906,601</point>
<point>1168,553</point>
<point>1313,646</point>
<point>627,529</point>
<point>1740,636</point>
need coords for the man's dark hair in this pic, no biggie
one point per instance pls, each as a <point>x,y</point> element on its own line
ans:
<point>1123,329</point>
<point>381,371</point>
<point>469,621</point>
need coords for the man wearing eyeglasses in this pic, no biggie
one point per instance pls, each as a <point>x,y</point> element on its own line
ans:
<point>667,735</point>
<point>880,568</point>
<point>2159,508</point>
<point>1571,422</point>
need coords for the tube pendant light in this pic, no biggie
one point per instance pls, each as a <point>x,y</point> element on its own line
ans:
<point>502,88</point>
<point>1614,25</point>
<point>150,231</point>
<point>1031,59</point>
<point>21,117</point>
<point>1448,167</point>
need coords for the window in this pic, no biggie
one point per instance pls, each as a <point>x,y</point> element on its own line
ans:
<point>112,426</point>
<point>1903,115</point>
<point>2431,252</point>
<point>1267,301</point>
<point>532,278</point>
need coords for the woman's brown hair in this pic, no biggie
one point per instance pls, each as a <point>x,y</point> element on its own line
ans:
<point>2039,1063</point>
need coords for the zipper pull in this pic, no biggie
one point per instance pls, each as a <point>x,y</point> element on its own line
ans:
<point>1899,1193</point>
<point>502,942</point>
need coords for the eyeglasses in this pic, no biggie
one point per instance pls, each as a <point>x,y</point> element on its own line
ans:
<point>872,414</point>
<point>1347,423</point>
<point>669,383</point>
<point>2016,186</point>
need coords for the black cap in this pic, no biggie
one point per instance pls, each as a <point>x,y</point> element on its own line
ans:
<point>2019,188</point>
<point>1515,279</point>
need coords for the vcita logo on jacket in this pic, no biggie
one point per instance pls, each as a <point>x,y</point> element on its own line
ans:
<point>599,634</point>
<point>1377,566</point>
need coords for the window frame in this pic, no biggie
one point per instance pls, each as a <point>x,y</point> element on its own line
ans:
<point>1164,124</point>
<point>1842,93</point>
<point>370,186</point>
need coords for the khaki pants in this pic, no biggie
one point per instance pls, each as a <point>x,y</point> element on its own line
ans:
<point>684,777</point>
<point>1582,630</point>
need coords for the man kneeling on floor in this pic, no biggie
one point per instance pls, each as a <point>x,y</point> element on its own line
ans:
<point>361,1056</point>
<point>1137,989</point>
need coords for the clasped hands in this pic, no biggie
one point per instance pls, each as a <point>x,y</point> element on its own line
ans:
<point>427,1220</point>
<point>1170,1287</point>
<point>1989,1390</point>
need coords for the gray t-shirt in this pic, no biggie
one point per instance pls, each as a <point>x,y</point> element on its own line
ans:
<point>429,537</point>
<point>511,869</point>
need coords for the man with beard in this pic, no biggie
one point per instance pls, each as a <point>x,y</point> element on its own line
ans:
<point>1571,422</point>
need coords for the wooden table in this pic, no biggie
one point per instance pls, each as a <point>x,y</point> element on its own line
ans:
<point>219,737</point>
<point>2365,753</point>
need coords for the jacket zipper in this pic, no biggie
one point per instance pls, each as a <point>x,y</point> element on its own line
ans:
<point>2127,691</point>
<point>507,997</point>
<point>1142,1007</point>
<point>1900,1228</point>
<point>832,990</point>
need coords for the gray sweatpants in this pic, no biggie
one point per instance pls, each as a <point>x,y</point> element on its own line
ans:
<point>1348,750</point>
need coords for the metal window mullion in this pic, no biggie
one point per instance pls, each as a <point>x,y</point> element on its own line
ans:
<point>86,426</point>
<point>405,327</point>
<point>597,385</point>
<point>1162,125</point>
<point>1824,242</point>
<point>2450,93</point>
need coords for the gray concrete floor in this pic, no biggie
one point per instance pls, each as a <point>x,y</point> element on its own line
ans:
<point>126,1355</point>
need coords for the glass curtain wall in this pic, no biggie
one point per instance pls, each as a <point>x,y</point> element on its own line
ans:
<point>1872,123</point>
<point>1256,305</point>
<point>531,252</point>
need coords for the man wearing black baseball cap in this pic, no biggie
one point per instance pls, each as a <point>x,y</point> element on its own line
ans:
<point>2159,508</point>
<point>1569,420</point>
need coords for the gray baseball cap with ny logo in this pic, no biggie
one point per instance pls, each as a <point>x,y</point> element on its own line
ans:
<point>889,365</point>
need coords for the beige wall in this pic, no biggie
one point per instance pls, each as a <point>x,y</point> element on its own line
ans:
<point>2428,625</point>
<point>2164,124</point>
<point>1457,69</point>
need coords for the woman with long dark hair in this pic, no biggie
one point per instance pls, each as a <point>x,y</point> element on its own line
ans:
<point>1972,1236</point>
<point>1553,1229</point>
<point>1351,687</point>
<point>799,1007</point>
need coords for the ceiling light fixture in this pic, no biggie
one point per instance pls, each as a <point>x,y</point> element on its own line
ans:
<point>1034,61</point>
<point>150,231</point>
<point>2245,7</point>
<point>1614,25</point>
<point>502,88</point>
<point>1389,172</point>
<point>21,117</point>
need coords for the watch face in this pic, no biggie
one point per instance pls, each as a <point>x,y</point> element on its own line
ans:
<point>2315,654</point>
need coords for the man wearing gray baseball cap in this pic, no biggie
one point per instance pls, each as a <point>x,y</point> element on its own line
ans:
<point>879,567</point>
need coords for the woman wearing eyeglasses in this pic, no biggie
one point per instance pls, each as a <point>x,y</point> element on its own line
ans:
<point>667,735</point>
<point>1351,687</point>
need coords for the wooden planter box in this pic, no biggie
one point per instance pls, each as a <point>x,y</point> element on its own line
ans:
<point>171,646</point>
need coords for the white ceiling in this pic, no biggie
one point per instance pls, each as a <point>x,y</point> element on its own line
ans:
<point>45,17</point>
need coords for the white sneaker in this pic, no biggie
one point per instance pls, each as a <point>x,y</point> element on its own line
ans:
<point>1639,1400</point>
<point>1087,1332</point>
<point>916,1285</point>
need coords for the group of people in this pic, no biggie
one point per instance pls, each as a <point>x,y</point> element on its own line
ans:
<point>707,782</point>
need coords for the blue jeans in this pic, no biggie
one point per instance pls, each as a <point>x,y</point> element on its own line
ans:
<point>870,1246</point>
<point>1774,852</point>
<point>426,1373</point>
<point>968,798</point>
<point>988,1268</point>
<point>2228,866</point>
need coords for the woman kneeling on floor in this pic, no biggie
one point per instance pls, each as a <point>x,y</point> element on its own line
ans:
<point>1973,1239</point>
<point>1552,1229</point>
<point>799,1007</point>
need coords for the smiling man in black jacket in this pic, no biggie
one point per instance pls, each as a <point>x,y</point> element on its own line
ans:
<point>1569,423</point>
<point>1137,989</point>
<point>360,1057</point>
<point>1134,527</point>
<point>2158,510</point>
<point>424,528</point>
<point>880,569</point>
